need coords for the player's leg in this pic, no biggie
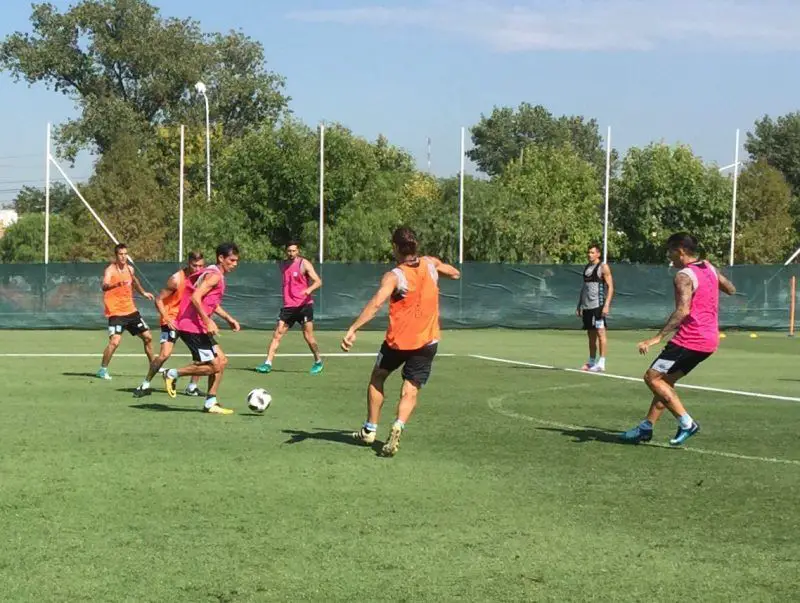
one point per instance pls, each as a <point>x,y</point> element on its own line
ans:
<point>600,331</point>
<point>416,372</point>
<point>114,338</point>
<point>280,330</point>
<point>208,360</point>
<point>388,361</point>
<point>308,335</point>
<point>591,334</point>
<point>215,379</point>
<point>167,341</point>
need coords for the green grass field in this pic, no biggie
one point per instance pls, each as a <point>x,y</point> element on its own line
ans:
<point>508,486</point>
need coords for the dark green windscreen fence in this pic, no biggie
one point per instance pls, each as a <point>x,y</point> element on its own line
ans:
<point>68,296</point>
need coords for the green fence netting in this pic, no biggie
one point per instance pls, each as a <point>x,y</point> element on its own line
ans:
<point>68,296</point>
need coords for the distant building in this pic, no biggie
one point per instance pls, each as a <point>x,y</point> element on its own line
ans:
<point>7,218</point>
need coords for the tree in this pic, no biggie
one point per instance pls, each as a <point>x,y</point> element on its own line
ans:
<point>124,193</point>
<point>662,190</point>
<point>778,143</point>
<point>764,222</point>
<point>31,200</point>
<point>506,134</point>
<point>128,70</point>
<point>23,241</point>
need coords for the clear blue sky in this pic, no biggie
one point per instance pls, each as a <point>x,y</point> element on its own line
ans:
<point>684,71</point>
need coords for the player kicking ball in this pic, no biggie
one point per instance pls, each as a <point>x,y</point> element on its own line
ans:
<point>696,316</point>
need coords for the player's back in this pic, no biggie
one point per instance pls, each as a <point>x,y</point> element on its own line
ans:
<point>118,301</point>
<point>414,306</point>
<point>172,303</point>
<point>700,330</point>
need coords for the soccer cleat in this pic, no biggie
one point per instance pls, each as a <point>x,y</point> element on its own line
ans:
<point>393,443</point>
<point>103,374</point>
<point>170,385</point>
<point>587,367</point>
<point>596,368</point>
<point>264,368</point>
<point>316,368</point>
<point>636,435</point>
<point>193,392</point>
<point>364,436</point>
<point>141,392</point>
<point>684,434</point>
<point>218,410</point>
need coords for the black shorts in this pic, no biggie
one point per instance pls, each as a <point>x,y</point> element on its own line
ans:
<point>132,323</point>
<point>675,358</point>
<point>593,319</point>
<point>416,363</point>
<point>168,335</point>
<point>201,345</point>
<point>300,314</point>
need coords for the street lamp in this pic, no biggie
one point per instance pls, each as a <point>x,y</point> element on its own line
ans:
<point>201,89</point>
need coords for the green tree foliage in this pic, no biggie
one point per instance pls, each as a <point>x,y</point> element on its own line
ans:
<point>23,241</point>
<point>777,141</point>
<point>662,190</point>
<point>764,232</point>
<point>506,134</point>
<point>31,200</point>
<point>128,69</point>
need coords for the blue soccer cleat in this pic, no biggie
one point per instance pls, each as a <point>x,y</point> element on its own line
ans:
<point>684,434</point>
<point>316,368</point>
<point>636,435</point>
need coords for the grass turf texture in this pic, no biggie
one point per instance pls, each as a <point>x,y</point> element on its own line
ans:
<point>507,485</point>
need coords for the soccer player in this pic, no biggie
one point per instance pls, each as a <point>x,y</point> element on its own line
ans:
<point>412,289</point>
<point>594,305</point>
<point>696,317</point>
<point>204,293</point>
<point>168,303</point>
<point>300,280</point>
<point>119,280</point>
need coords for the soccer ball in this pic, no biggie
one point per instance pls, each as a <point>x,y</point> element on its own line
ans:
<point>258,400</point>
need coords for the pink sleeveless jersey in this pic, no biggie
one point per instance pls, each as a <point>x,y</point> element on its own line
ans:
<point>294,283</point>
<point>699,331</point>
<point>189,320</point>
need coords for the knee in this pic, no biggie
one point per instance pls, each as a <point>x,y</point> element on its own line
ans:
<point>651,377</point>
<point>113,343</point>
<point>378,378</point>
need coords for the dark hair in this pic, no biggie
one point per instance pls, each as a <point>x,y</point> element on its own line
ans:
<point>194,256</point>
<point>406,241</point>
<point>291,242</point>
<point>227,249</point>
<point>119,247</point>
<point>594,246</point>
<point>683,240</point>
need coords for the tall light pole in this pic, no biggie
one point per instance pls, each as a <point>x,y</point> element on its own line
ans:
<point>201,89</point>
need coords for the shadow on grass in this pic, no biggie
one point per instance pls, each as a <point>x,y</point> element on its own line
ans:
<point>275,370</point>
<point>164,408</point>
<point>590,434</point>
<point>329,435</point>
<point>82,375</point>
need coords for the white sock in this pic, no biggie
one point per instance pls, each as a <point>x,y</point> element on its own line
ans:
<point>192,386</point>
<point>601,361</point>
<point>145,384</point>
<point>686,421</point>
<point>212,401</point>
<point>172,373</point>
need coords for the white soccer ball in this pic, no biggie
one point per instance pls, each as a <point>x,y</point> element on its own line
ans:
<point>258,400</point>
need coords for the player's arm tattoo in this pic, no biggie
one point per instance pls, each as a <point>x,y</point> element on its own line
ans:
<point>683,304</point>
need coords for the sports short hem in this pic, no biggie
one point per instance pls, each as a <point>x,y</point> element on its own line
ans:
<point>675,358</point>
<point>132,323</point>
<point>202,346</point>
<point>593,319</point>
<point>168,335</point>
<point>417,364</point>
<point>299,315</point>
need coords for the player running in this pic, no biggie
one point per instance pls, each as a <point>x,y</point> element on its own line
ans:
<point>119,279</point>
<point>297,307</point>
<point>168,303</point>
<point>696,317</point>
<point>593,306</point>
<point>412,289</point>
<point>202,298</point>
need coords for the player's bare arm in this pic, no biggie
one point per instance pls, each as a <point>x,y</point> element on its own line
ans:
<point>107,286</point>
<point>316,281</point>
<point>725,285</point>
<point>138,286</point>
<point>683,304</point>
<point>608,279</point>
<point>168,290</point>
<point>388,285</point>
<point>207,284</point>
<point>445,269</point>
<point>232,322</point>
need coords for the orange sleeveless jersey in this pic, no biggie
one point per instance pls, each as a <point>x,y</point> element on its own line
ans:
<point>119,300</point>
<point>173,302</point>
<point>414,307</point>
